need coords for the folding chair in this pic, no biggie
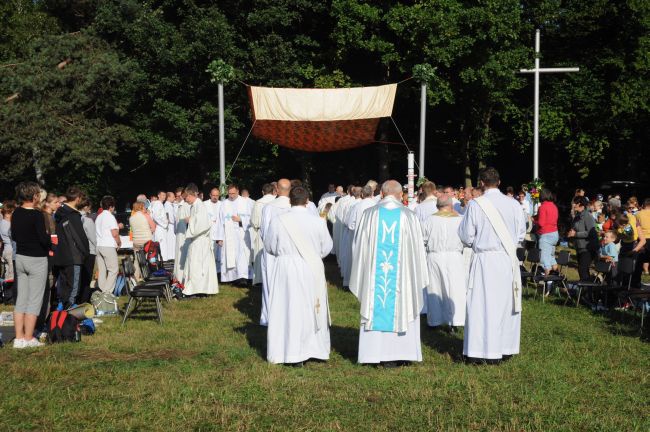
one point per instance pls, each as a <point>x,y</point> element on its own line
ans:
<point>145,271</point>
<point>603,269</point>
<point>139,292</point>
<point>562,262</point>
<point>532,257</point>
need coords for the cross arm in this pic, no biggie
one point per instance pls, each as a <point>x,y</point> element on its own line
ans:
<point>551,70</point>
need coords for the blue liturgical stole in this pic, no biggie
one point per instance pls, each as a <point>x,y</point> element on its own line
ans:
<point>386,262</point>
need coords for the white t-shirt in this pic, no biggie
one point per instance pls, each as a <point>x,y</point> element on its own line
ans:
<point>104,223</point>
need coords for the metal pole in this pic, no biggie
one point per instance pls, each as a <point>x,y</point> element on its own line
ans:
<point>222,145</point>
<point>423,124</point>
<point>536,113</point>
<point>411,176</point>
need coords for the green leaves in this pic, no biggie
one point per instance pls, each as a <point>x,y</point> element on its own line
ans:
<point>220,72</point>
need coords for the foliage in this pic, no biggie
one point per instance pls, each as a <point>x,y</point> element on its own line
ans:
<point>142,102</point>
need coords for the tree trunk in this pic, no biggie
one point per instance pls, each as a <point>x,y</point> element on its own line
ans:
<point>467,159</point>
<point>37,167</point>
<point>306,168</point>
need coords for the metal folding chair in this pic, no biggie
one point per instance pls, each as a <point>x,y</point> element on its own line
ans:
<point>139,292</point>
<point>560,278</point>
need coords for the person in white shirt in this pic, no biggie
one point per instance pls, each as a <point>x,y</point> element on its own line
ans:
<point>108,241</point>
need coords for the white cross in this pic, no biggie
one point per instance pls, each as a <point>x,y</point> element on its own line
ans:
<point>537,71</point>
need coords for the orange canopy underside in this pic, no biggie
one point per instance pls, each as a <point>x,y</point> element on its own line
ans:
<point>317,136</point>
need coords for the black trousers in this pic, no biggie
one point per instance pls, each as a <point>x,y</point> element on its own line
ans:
<point>66,285</point>
<point>642,257</point>
<point>86,278</point>
<point>585,258</point>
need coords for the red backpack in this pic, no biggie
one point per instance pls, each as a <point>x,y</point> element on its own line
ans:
<point>64,327</point>
<point>152,254</point>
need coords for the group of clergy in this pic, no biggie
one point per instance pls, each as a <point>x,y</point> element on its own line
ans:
<point>461,270</point>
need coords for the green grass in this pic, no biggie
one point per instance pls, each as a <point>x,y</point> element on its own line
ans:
<point>205,369</point>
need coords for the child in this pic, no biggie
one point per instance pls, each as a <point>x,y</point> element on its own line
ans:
<point>608,251</point>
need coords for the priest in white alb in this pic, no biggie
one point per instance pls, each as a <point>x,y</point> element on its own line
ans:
<point>337,223</point>
<point>200,273</point>
<point>298,306</point>
<point>445,294</point>
<point>161,220</point>
<point>352,222</point>
<point>270,212</point>
<point>389,272</point>
<point>234,219</point>
<point>213,207</point>
<point>182,244</point>
<point>493,226</point>
<point>171,227</point>
<point>345,239</point>
<point>257,244</point>
<point>428,206</point>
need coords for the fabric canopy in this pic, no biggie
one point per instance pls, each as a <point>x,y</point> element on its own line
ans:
<point>320,120</point>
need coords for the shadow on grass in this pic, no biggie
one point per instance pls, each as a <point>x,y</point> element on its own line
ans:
<point>345,341</point>
<point>251,305</point>
<point>442,341</point>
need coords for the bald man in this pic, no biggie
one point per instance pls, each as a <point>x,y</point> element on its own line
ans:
<point>271,211</point>
<point>389,273</point>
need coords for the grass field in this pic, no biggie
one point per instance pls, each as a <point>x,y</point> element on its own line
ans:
<point>205,370</point>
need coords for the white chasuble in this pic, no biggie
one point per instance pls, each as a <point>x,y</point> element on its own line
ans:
<point>389,272</point>
<point>200,272</point>
<point>492,326</point>
<point>214,212</point>
<point>180,257</point>
<point>159,216</point>
<point>270,212</point>
<point>235,253</point>
<point>298,325</point>
<point>171,230</point>
<point>446,291</point>
<point>254,233</point>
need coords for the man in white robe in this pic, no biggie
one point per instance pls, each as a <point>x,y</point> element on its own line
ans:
<point>161,220</point>
<point>200,273</point>
<point>337,224</point>
<point>447,277</point>
<point>492,226</point>
<point>352,222</point>
<point>389,271</point>
<point>428,206</point>
<point>298,305</point>
<point>330,196</point>
<point>182,216</point>
<point>213,206</point>
<point>457,205</point>
<point>257,244</point>
<point>346,235</point>
<point>171,228</point>
<point>234,219</point>
<point>270,212</point>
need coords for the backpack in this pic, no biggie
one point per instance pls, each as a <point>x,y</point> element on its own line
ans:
<point>64,327</point>
<point>152,254</point>
<point>105,303</point>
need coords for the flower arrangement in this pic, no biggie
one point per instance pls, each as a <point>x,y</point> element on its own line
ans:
<point>535,188</point>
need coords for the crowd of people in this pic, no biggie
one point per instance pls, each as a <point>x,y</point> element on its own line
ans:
<point>451,254</point>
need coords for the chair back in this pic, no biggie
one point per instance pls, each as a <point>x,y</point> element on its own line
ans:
<point>534,256</point>
<point>521,254</point>
<point>141,260</point>
<point>563,258</point>
<point>602,267</point>
<point>626,265</point>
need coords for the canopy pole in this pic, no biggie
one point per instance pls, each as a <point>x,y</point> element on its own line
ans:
<point>411,176</point>
<point>423,125</point>
<point>222,144</point>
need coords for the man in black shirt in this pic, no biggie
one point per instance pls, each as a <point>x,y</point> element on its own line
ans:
<point>72,249</point>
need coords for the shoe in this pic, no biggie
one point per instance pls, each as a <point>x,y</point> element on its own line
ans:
<point>19,343</point>
<point>33,343</point>
<point>98,321</point>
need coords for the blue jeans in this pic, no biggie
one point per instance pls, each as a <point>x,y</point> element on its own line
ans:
<point>547,244</point>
